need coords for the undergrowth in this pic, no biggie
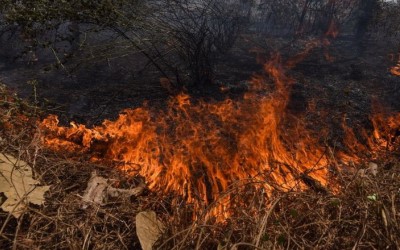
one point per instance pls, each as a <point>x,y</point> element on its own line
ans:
<point>363,213</point>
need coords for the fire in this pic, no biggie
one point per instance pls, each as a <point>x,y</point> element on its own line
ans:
<point>386,127</point>
<point>198,150</point>
<point>395,70</point>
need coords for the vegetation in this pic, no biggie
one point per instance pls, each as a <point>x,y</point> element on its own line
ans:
<point>184,40</point>
<point>179,38</point>
<point>186,45</point>
<point>364,214</point>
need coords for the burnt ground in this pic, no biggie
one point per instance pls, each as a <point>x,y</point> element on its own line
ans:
<point>91,90</point>
<point>326,92</point>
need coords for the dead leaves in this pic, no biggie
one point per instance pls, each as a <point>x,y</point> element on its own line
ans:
<point>372,169</point>
<point>18,185</point>
<point>99,190</point>
<point>148,229</point>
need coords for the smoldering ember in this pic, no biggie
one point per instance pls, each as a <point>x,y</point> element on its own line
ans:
<point>186,124</point>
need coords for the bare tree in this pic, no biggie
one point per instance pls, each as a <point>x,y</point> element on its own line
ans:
<point>197,33</point>
<point>182,39</point>
<point>289,17</point>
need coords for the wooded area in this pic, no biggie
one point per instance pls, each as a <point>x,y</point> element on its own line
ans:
<point>183,40</point>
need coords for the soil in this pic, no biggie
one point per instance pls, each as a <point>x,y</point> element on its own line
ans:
<point>100,90</point>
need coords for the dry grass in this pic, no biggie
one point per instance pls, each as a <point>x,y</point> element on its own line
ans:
<point>364,214</point>
<point>61,223</point>
<point>351,219</point>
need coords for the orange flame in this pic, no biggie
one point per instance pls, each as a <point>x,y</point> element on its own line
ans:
<point>386,126</point>
<point>198,149</point>
<point>395,70</point>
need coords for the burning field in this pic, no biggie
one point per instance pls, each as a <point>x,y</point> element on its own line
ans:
<point>300,155</point>
<point>199,150</point>
<point>261,152</point>
<point>261,160</point>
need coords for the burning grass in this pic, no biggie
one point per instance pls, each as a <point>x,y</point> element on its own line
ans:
<point>247,173</point>
<point>395,70</point>
<point>363,214</point>
<point>199,150</point>
<point>293,220</point>
<point>361,211</point>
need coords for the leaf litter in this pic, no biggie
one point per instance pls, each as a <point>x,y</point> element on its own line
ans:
<point>18,186</point>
